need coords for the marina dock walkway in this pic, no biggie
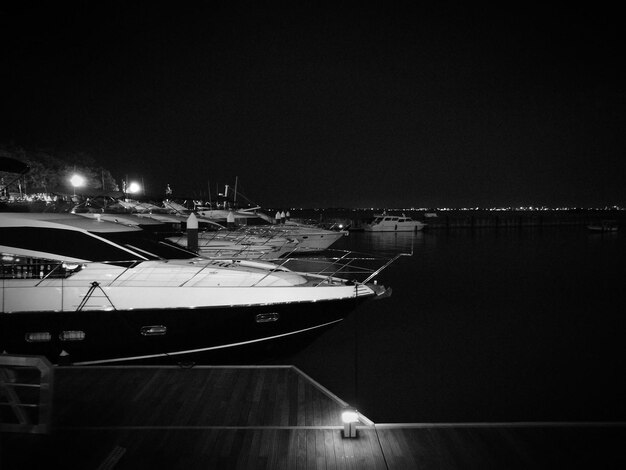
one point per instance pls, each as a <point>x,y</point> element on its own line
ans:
<point>214,417</point>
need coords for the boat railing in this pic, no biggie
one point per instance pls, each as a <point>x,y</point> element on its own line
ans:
<point>244,235</point>
<point>344,264</point>
<point>328,266</point>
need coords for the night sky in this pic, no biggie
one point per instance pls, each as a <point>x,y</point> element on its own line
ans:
<point>328,104</point>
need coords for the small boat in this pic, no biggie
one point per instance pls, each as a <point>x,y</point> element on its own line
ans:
<point>394,223</point>
<point>604,226</point>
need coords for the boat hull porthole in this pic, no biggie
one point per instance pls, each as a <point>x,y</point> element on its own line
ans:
<point>267,317</point>
<point>38,337</point>
<point>72,335</point>
<point>153,330</point>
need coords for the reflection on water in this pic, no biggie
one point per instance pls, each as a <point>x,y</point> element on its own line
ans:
<point>389,243</point>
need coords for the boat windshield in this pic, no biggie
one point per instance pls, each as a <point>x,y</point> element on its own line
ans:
<point>123,246</point>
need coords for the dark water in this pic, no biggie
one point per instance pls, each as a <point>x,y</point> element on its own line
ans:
<point>484,325</point>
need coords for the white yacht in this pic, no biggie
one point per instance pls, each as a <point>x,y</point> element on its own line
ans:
<point>394,223</point>
<point>310,237</point>
<point>240,245</point>
<point>254,221</point>
<point>86,290</point>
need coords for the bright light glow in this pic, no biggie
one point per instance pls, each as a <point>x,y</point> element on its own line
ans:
<point>350,416</point>
<point>77,180</point>
<point>134,187</point>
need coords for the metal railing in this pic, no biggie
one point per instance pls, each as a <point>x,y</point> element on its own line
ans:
<point>26,386</point>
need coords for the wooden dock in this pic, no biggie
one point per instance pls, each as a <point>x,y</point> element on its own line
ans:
<point>222,417</point>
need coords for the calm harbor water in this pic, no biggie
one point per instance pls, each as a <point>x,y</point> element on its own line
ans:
<point>484,325</point>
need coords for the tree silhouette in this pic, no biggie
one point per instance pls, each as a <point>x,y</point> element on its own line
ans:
<point>51,172</point>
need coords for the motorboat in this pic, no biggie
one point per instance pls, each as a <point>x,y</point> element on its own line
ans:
<point>85,290</point>
<point>310,237</point>
<point>394,223</point>
<point>240,244</point>
<point>253,221</point>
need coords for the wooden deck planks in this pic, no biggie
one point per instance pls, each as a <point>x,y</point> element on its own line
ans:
<point>186,398</point>
<point>269,418</point>
<point>497,446</point>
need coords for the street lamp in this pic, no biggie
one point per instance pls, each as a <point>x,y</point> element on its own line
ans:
<point>77,181</point>
<point>134,187</point>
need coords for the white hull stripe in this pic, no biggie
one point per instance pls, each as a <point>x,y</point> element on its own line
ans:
<point>191,351</point>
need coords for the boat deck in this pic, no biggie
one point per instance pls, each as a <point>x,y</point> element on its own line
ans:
<point>136,417</point>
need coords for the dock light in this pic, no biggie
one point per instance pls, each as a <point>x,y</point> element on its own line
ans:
<point>134,187</point>
<point>349,417</point>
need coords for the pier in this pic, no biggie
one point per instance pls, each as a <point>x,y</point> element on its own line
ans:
<point>259,417</point>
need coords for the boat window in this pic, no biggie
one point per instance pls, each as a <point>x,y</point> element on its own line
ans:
<point>125,246</point>
<point>27,267</point>
<point>377,220</point>
<point>63,242</point>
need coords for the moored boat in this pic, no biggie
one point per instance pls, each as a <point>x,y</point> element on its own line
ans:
<point>92,291</point>
<point>394,223</point>
<point>239,245</point>
<point>310,238</point>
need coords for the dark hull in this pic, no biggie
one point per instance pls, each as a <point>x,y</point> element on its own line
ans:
<point>226,332</point>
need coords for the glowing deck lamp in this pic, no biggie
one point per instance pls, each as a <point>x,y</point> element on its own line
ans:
<point>349,417</point>
<point>77,181</point>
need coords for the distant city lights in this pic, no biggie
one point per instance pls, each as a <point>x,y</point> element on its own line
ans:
<point>507,208</point>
